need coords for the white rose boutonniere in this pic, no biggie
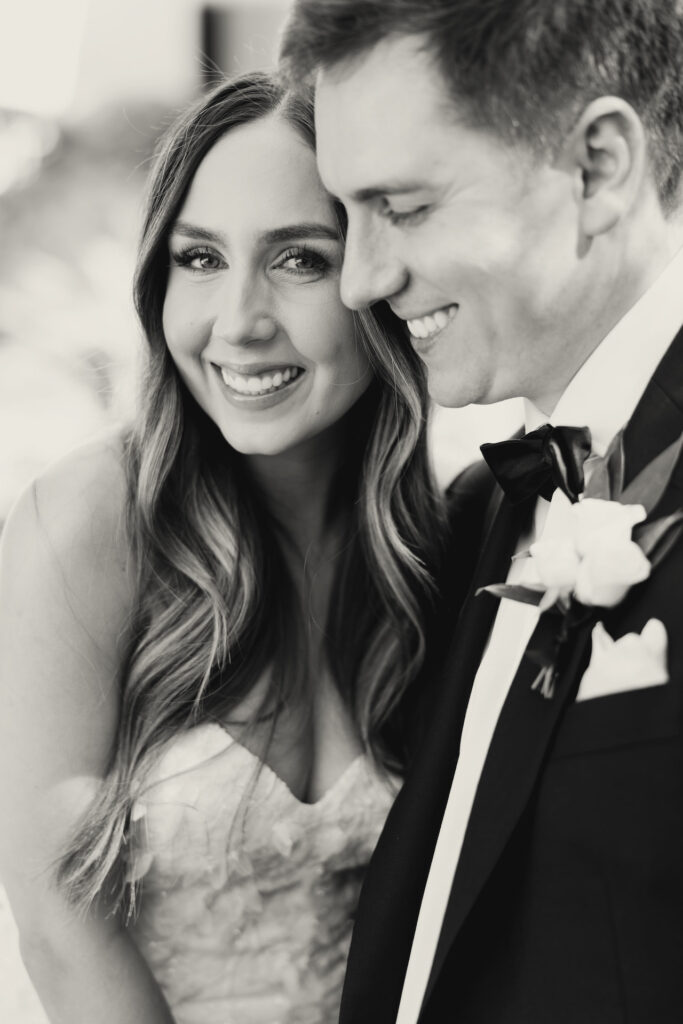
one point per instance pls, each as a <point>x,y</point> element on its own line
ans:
<point>599,562</point>
<point>611,545</point>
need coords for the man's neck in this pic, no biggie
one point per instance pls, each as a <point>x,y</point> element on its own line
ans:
<point>637,275</point>
<point>606,388</point>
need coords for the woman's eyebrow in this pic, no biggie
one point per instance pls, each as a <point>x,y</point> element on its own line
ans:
<point>309,229</point>
<point>304,230</point>
<point>187,230</point>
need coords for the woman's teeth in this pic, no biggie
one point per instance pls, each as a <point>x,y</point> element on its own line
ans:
<point>425,326</point>
<point>261,384</point>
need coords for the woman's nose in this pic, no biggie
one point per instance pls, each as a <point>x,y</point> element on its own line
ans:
<point>244,315</point>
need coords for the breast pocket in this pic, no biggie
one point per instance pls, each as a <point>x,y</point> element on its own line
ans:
<point>618,720</point>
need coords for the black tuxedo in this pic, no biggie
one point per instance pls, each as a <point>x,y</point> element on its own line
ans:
<point>567,904</point>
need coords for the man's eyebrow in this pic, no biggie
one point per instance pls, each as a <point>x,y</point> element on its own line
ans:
<point>304,230</point>
<point>365,195</point>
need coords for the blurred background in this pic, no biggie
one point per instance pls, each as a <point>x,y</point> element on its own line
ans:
<point>86,86</point>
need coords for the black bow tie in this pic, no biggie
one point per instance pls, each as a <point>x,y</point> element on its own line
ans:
<point>540,461</point>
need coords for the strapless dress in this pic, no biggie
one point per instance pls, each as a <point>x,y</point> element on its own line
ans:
<point>247,894</point>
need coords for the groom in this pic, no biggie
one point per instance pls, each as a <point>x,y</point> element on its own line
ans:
<point>512,176</point>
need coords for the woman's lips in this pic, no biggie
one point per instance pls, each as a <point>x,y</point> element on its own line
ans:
<point>260,390</point>
<point>258,384</point>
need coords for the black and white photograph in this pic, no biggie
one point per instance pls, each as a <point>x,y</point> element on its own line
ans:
<point>341,512</point>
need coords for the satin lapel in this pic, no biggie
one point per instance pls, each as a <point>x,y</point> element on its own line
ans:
<point>428,773</point>
<point>392,892</point>
<point>658,421</point>
<point>520,741</point>
<point>473,630</point>
<point>527,722</point>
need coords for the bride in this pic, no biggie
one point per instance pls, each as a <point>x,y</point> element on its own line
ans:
<point>206,623</point>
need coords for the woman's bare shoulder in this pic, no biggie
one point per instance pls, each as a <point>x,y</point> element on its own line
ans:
<point>83,495</point>
<point>71,522</point>
<point>66,603</point>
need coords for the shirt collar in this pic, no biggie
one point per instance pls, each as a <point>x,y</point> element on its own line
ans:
<point>607,388</point>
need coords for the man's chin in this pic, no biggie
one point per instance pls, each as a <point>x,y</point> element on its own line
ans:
<point>450,393</point>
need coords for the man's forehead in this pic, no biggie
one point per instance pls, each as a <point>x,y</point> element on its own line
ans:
<point>394,69</point>
<point>373,120</point>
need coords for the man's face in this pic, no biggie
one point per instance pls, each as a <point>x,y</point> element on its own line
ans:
<point>471,241</point>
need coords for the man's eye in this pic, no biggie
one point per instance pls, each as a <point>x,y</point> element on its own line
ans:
<point>199,260</point>
<point>403,216</point>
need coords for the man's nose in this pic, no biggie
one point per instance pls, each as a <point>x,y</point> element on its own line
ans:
<point>244,313</point>
<point>371,270</point>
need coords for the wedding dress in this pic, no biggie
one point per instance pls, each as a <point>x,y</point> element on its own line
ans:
<point>248,894</point>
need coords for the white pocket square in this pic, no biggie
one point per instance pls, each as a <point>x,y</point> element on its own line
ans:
<point>632,662</point>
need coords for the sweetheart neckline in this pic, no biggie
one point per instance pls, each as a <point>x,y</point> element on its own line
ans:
<point>265,767</point>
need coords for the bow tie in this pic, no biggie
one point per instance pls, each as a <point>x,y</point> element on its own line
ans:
<point>540,461</point>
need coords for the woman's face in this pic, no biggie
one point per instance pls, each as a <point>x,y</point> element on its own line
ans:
<point>252,314</point>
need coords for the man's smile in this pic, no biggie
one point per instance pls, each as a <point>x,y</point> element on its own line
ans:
<point>428,325</point>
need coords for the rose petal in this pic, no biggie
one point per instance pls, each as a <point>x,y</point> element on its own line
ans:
<point>556,563</point>
<point>608,571</point>
<point>597,521</point>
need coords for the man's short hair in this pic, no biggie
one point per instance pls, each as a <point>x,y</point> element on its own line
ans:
<point>523,68</point>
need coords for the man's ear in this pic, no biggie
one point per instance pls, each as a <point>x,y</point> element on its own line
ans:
<point>608,151</point>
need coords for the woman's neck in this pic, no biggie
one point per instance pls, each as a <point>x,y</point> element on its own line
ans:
<point>300,486</point>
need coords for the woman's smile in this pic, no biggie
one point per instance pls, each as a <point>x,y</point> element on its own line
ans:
<point>260,389</point>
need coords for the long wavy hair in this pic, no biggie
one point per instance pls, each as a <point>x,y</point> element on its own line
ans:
<point>216,609</point>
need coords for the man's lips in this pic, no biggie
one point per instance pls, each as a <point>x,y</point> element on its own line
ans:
<point>430,324</point>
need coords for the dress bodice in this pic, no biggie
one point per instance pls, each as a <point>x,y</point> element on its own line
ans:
<point>248,894</point>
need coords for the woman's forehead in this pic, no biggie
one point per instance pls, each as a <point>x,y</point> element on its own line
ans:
<point>256,176</point>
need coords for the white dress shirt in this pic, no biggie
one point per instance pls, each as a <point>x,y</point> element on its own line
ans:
<point>602,396</point>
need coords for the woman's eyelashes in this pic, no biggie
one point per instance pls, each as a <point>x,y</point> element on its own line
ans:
<point>303,263</point>
<point>198,259</point>
<point>297,261</point>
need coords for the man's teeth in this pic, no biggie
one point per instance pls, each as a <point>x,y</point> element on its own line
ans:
<point>262,384</point>
<point>425,326</point>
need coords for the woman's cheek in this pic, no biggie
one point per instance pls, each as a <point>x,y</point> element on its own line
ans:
<point>184,320</point>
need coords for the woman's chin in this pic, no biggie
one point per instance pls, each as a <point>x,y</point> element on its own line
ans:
<point>267,439</point>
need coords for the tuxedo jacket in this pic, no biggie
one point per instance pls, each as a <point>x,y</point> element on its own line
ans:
<point>567,903</point>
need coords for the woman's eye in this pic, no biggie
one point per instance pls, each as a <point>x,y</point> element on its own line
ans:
<point>198,260</point>
<point>303,263</point>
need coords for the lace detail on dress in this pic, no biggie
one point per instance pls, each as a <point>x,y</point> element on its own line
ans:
<point>248,894</point>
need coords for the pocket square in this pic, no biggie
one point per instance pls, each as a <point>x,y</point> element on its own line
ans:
<point>633,662</point>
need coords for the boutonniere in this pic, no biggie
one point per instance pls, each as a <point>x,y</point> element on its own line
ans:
<point>612,543</point>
